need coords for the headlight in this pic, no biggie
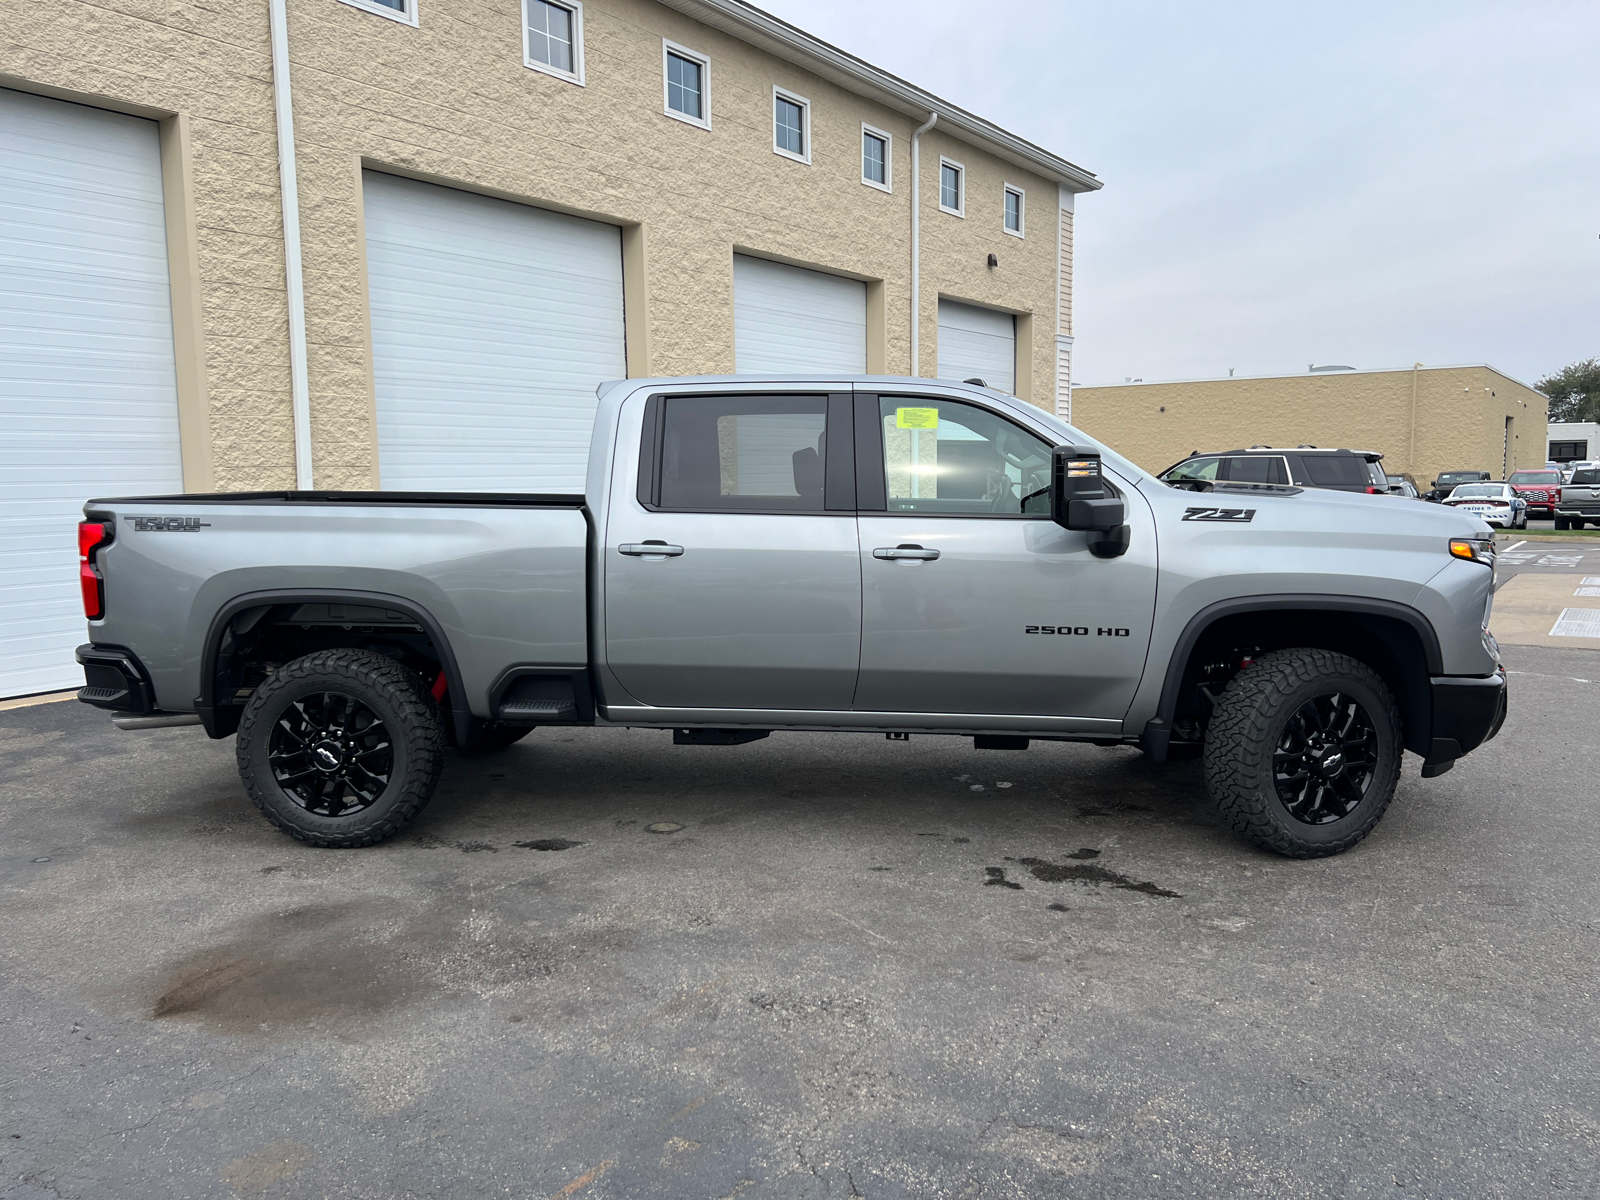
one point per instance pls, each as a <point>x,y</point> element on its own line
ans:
<point>1473,549</point>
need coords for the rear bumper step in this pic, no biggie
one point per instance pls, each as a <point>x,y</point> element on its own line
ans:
<point>115,680</point>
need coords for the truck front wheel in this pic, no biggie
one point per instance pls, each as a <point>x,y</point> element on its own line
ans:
<point>1303,752</point>
<point>341,748</point>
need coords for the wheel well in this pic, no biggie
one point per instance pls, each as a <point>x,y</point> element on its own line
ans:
<point>1390,645</point>
<point>249,642</point>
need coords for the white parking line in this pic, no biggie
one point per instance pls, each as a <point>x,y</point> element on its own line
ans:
<point>1538,675</point>
<point>1523,542</point>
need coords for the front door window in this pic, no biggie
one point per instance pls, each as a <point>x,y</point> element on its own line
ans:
<point>943,456</point>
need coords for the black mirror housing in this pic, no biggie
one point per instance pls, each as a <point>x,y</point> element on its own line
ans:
<point>1079,497</point>
<point>1080,500</point>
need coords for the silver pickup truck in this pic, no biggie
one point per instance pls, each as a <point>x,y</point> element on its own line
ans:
<point>1580,499</point>
<point>874,555</point>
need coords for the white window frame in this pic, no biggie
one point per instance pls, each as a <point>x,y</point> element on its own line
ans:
<point>409,17</point>
<point>805,124</point>
<point>1021,230</point>
<point>961,187</point>
<point>575,7</point>
<point>888,158</point>
<point>704,120</point>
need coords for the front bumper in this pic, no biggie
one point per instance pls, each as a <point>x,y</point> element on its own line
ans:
<point>1467,712</point>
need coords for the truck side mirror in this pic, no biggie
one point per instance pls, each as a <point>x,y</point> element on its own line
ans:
<point>1080,500</point>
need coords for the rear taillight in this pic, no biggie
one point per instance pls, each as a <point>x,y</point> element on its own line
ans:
<point>1372,491</point>
<point>91,536</point>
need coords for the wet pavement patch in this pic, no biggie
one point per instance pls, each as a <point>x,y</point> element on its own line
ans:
<point>997,878</point>
<point>306,966</point>
<point>548,844</point>
<point>428,841</point>
<point>1049,872</point>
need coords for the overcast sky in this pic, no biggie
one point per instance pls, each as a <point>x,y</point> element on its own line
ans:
<point>1370,184</point>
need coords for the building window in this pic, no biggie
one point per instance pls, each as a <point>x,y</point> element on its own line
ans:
<point>1013,210</point>
<point>791,125</point>
<point>876,162</point>
<point>553,38</point>
<point>952,187</point>
<point>404,11</point>
<point>688,84</point>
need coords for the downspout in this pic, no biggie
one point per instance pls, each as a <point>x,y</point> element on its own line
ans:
<point>916,238</point>
<point>289,191</point>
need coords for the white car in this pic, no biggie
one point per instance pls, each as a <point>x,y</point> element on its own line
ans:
<point>1496,503</point>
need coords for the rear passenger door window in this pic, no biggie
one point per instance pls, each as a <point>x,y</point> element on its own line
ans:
<point>742,453</point>
<point>1254,468</point>
<point>1326,470</point>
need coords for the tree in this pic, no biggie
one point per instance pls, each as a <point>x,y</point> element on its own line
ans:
<point>1574,391</point>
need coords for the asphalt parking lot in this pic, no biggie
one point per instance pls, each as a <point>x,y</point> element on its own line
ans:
<point>858,968</point>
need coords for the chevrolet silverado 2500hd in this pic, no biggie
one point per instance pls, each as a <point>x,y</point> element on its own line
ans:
<point>750,554</point>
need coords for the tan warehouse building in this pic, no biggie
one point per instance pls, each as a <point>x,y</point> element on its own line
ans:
<point>1424,420</point>
<point>500,204</point>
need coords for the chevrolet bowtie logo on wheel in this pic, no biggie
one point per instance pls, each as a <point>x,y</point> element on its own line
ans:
<point>170,524</point>
<point>1219,514</point>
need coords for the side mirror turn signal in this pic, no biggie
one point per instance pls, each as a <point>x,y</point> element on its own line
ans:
<point>1081,500</point>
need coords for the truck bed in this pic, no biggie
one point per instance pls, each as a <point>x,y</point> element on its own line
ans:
<point>500,576</point>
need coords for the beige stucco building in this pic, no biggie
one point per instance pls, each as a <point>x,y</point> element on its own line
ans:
<point>491,207</point>
<point>1424,420</point>
<point>450,92</point>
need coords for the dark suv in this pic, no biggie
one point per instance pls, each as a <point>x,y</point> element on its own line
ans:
<point>1449,481</point>
<point>1303,466</point>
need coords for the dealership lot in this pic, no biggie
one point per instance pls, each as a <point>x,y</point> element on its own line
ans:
<point>858,967</point>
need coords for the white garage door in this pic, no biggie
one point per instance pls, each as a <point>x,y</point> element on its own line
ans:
<point>88,396</point>
<point>492,325</point>
<point>978,343</point>
<point>788,319</point>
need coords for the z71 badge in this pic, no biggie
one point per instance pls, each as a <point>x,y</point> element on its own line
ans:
<point>1219,514</point>
<point>170,524</point>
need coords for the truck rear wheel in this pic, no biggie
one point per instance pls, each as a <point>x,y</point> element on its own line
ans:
<point>341,748</point>
<point>1303,752</point>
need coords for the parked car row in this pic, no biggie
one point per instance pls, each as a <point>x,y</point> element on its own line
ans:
<point>1506,503</point>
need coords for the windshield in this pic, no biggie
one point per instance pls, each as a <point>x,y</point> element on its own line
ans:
<point>1451,478</point>
<point>1076,437</point>
<point>1526,477</point>
<point>1478,491</point>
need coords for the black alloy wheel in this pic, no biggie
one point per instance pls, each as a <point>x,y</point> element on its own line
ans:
<point>1303,751</point>
<point>341,748</point>
<point>1326,759</point>
<point>331,754</point>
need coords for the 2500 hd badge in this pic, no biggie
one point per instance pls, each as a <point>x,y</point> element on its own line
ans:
<point>1075,630</point>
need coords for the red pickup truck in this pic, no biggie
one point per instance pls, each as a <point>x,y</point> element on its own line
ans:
<point>1540,488</point>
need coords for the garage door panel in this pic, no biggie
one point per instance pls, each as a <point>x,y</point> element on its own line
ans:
<point>789,319</point>
<point>977,343</point>
<point>88,395</point>
<point>493,323</point>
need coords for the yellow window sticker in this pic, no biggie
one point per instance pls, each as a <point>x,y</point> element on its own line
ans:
<point>916,418</point>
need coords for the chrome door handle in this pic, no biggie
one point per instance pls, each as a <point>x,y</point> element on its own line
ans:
<point>914,553</point>
<point>649,550</point>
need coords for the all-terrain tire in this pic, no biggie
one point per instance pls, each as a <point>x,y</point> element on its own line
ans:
<point>1562,524</point>
<point>409,739</point>
<point>1258,716</point>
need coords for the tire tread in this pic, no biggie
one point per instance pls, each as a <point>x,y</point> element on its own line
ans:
<point>419,725</point>
<point>1238,752</point>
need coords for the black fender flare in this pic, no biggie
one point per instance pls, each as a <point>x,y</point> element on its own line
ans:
<point>206,703</point>
<point>1158,730</point>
